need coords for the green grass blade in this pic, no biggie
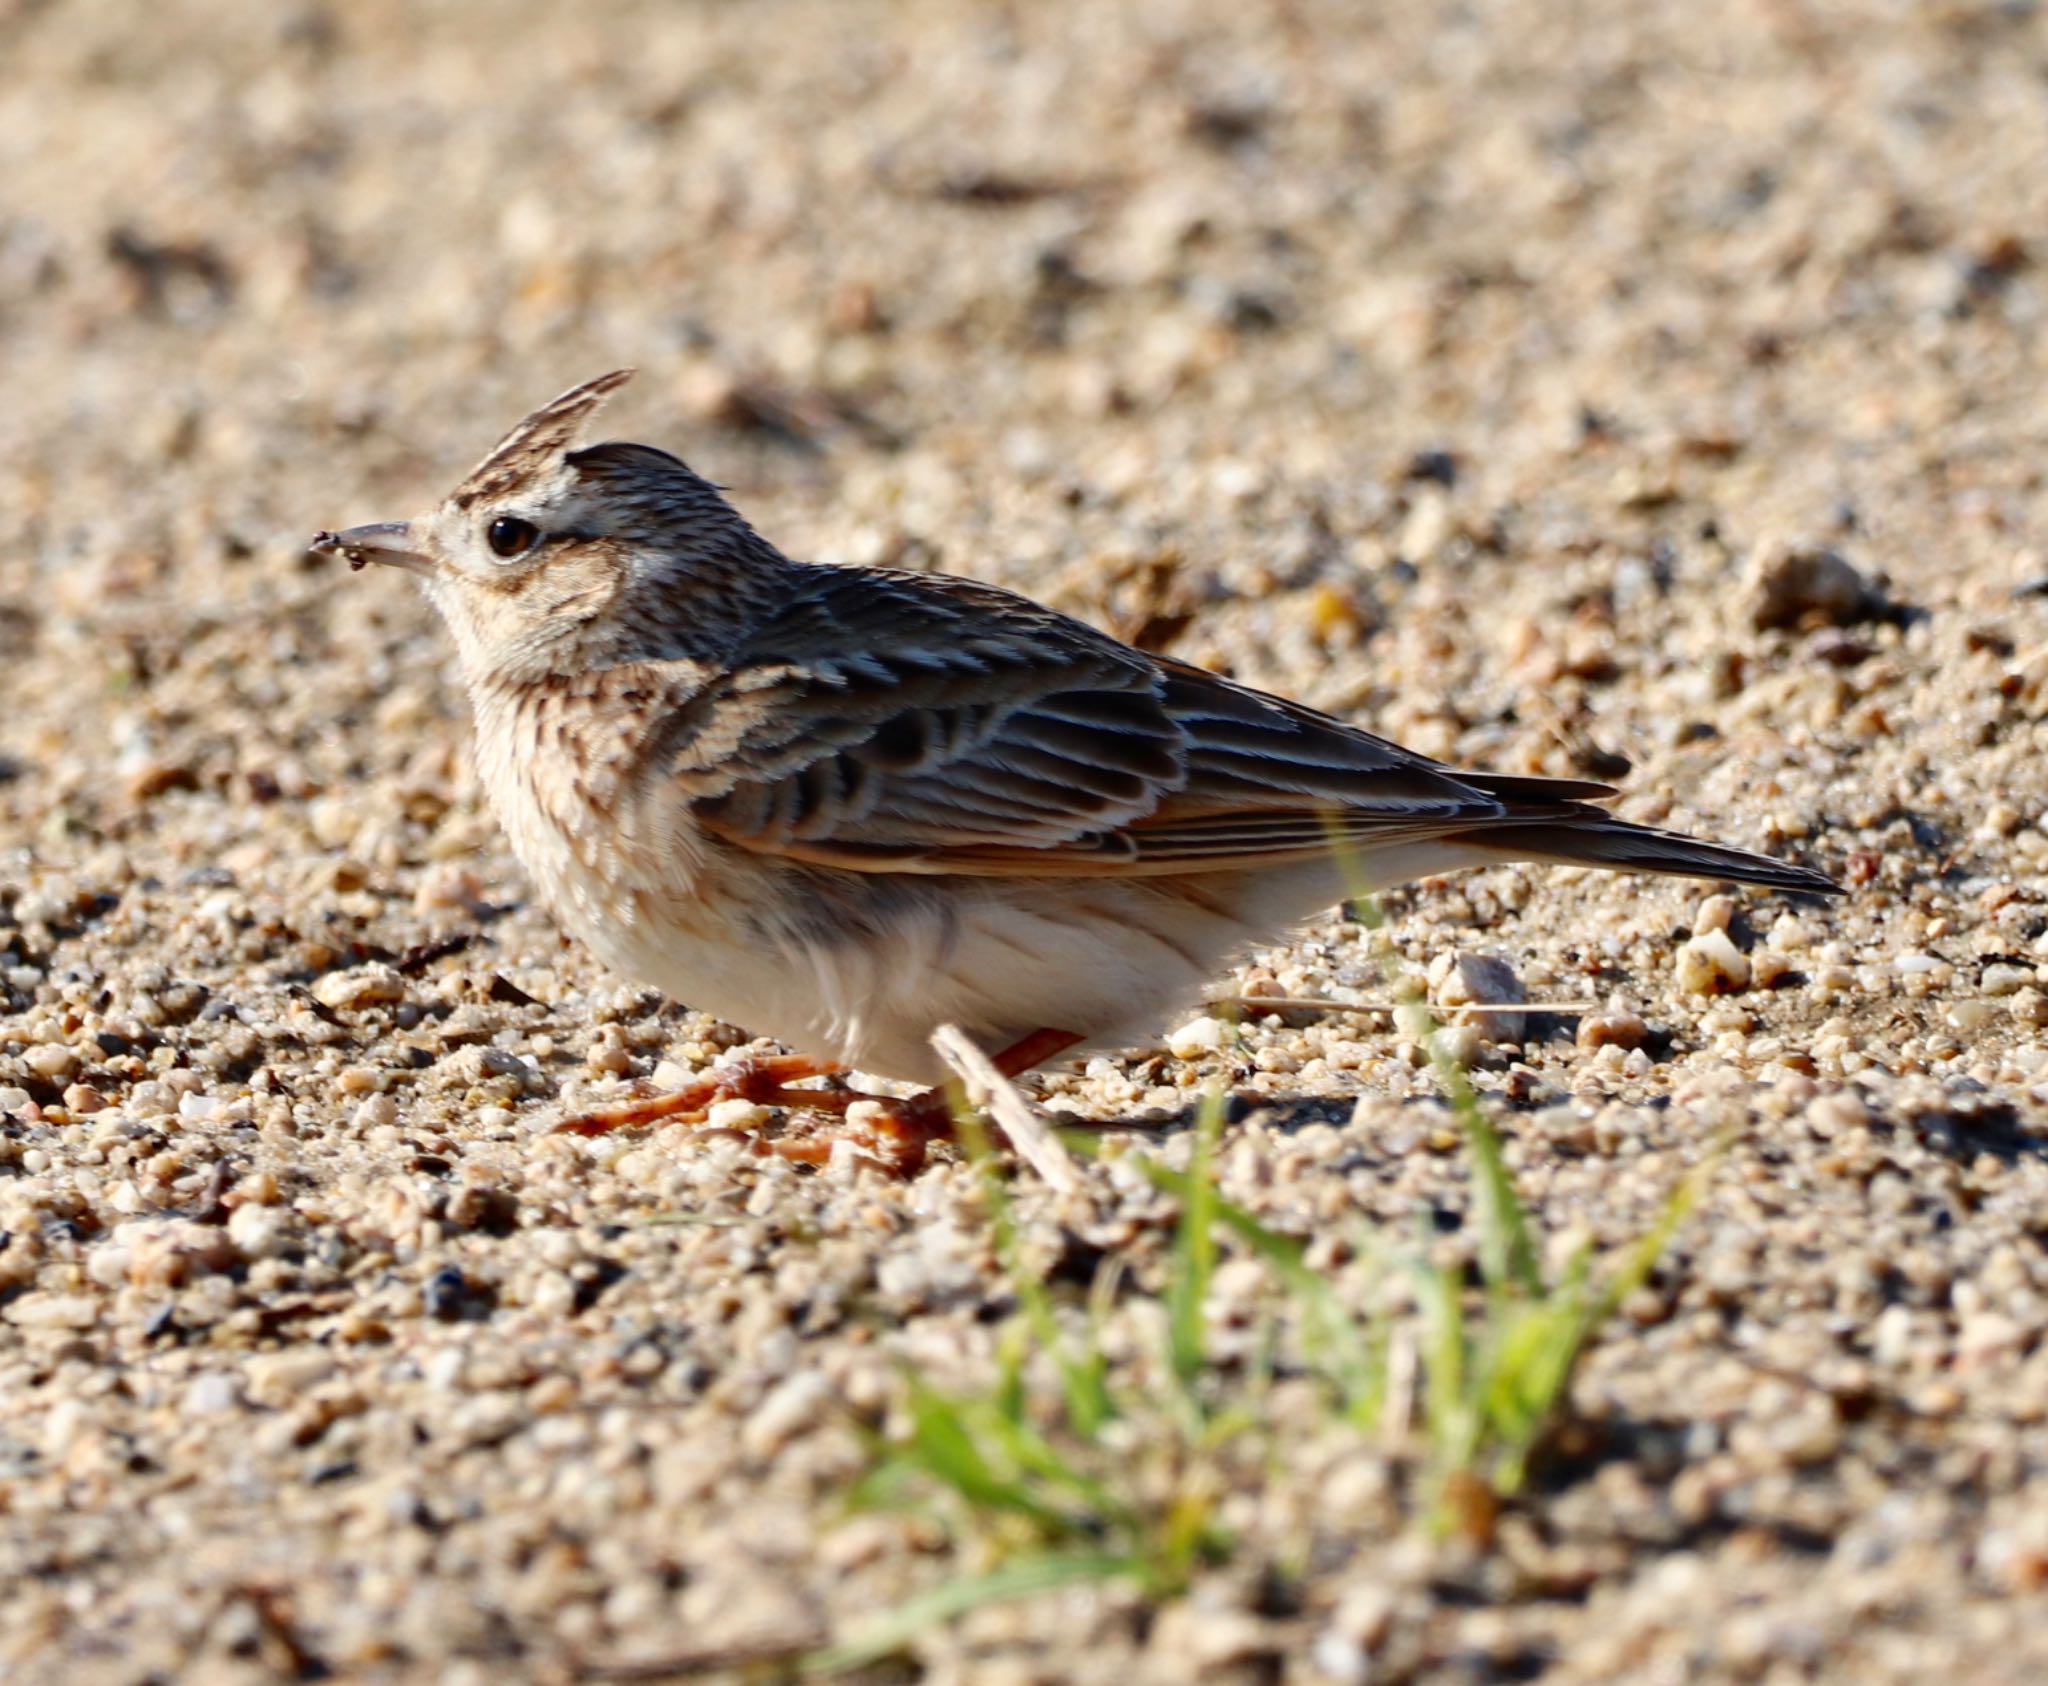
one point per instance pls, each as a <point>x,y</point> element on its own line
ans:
<point>1021,1577</point>
<point>1012,1353</point>
<point>1330,1335</point>
<point>1447,1413</point>
<point>1650,1246</point>
<point>1189,1536</point>
<point>1507,1254</point>
<point>1194,1260</point>
<point>1032,1454</point>
<point>1083,1379</point>
<point>943,1445</point>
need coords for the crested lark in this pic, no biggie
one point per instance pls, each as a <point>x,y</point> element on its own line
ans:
<point>840,806</point>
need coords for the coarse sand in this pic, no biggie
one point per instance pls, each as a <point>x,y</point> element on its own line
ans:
<point>1644,388</point>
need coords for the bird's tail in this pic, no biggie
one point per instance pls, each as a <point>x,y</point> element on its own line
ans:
<point>1599,839</point>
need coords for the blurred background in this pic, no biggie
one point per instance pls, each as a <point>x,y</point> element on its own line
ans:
<point>1462,335</point>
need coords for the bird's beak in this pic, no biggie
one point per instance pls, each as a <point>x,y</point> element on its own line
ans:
<point>381,541</point>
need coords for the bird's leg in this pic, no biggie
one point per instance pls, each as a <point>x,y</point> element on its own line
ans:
<point>898,1133</point>
<point>1036,1049</point>
<point>761,1078</point>
<point>903,1130</point>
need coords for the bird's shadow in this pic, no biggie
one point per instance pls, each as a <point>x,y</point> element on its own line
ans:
<point>1280,1114</point>
<point>1972,1125</point>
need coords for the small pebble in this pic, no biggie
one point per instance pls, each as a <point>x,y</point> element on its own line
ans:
<point>1788,935</point>
<point>1790,582</point>
<point>211,1393</point>
<point>1712,965</point>
<point>52,1060</point>
<point>736,1115</point>
<point>53,1311</point>
<point>260,1232</point>
<point>797,1402</point>
<point>1768,968</point>
<point>1615,1025</point>
<point>364,986</point>
<point>1461,1044</point>
<point>1715,913</point>
<point>1199,1037</point>
<point>1484,980</point>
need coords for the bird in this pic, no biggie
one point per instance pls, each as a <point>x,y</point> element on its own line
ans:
<point>838,806</point>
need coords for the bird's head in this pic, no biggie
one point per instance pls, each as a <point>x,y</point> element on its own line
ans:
<point>552,559</point>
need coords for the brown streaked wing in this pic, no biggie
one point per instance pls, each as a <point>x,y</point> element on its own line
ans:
<point>917,723</point>
<point>888,717</point>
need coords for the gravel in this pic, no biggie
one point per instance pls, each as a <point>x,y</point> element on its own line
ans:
<point>1649,392</point>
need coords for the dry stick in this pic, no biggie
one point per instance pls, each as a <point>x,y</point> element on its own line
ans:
<point>988,1088</point>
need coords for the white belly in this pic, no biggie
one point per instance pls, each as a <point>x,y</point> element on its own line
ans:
<point>864,970</point>
<point>861,968</point>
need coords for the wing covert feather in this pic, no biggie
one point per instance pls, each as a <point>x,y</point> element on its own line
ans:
<point>897,722</point>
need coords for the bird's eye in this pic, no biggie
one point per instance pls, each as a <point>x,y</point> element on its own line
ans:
<point>508,536</point>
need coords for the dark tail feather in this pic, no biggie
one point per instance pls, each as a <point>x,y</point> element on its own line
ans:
<point>1602,840</point>
<point>1532,787</point>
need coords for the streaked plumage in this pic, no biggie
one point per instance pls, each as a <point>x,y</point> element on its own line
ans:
<point>840,806</point>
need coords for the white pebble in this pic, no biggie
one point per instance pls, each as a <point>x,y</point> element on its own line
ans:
<point>1971,1015</point>
<point>1711,964</point>
<point>1461,1044</point>
<point>365,986</point>
<point>792,1405</point>
<point>107,1265</point>
<point>552,1296</point>
<point>609,1057</point>
<point>1891,1336</point>
<point>1788,935</point>
<point>68,1421</point>
<point>52,1060</point>
<point>1716,913</point>
<point>54,1311</point>
<point>443,1371</point>
<point>259,1232</point>
<point>150,1099</point>
<point>210,1394</point>
<point>1200,1036</point>
<point>903,1276</point>
<point>277,1379</point>
<point>736,1115</point>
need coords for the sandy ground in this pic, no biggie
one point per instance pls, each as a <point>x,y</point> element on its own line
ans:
<point>1499,374</point>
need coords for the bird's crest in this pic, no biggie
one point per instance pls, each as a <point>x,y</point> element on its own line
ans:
<point>538,441</point>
